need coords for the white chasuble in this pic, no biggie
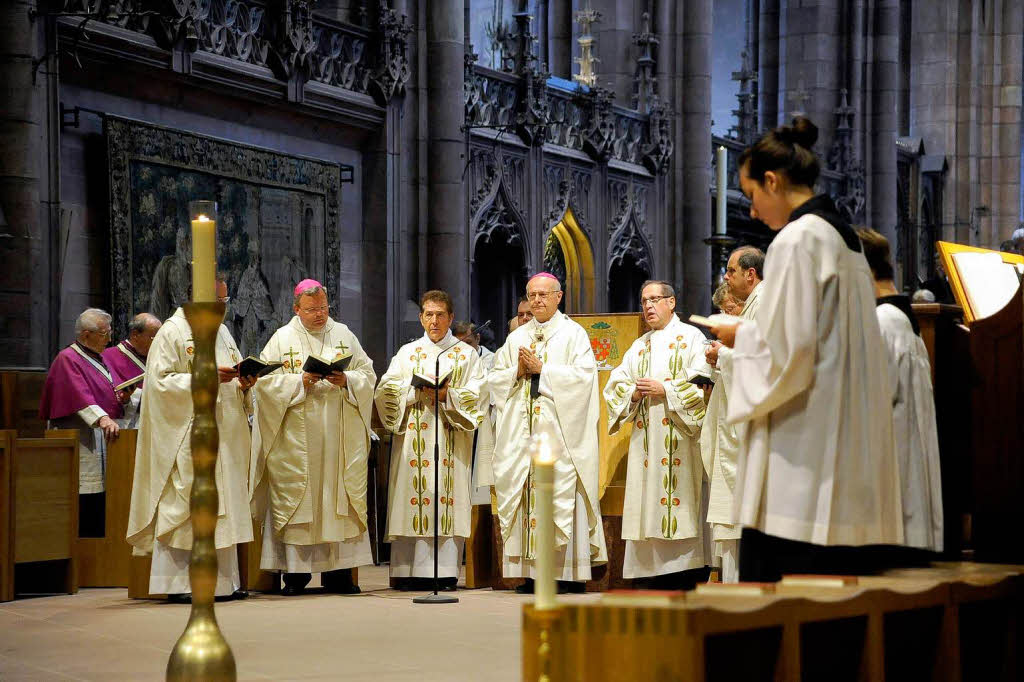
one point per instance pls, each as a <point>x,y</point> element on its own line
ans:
<point>310,451</point>
<point>719,444</point>
<point>816,459</point>
<point>412,498</point>
<point>914,429</point>
<point>163,455</point>
<point>661,515</point>
<point>564,405</point>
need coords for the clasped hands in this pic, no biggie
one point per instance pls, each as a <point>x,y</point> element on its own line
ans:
<point>337,378</point>
<point>648,388</point>
<point>226,374</point>
<point>529,363</point>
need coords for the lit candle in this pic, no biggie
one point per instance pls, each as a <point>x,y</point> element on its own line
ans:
<point>721,191</point>
<point>544,554</point>
<point>204,251</point>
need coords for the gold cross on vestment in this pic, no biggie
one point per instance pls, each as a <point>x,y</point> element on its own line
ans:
<point>291,355</point>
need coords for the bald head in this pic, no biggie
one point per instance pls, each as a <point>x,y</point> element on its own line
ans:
<point>141,331</point>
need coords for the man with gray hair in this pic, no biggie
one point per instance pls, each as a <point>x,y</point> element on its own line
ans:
<point>127,360</point>
<point>720,441</point>
<point>79,394</point>
<point>655,389</point>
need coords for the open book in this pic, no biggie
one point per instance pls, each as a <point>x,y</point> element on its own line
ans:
<point>130,383</point>
<point>254,367</point>
<point>423,380</point>
<point>988,282</point>
<point>716,320</point>
<point>322,366</point>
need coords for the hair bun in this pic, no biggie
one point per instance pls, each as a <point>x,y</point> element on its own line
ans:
<point>801,132</point>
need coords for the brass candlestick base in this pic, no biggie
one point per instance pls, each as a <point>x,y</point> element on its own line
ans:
<point>201,652</point>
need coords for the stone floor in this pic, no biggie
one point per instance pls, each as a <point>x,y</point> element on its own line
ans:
<point>380,635</point>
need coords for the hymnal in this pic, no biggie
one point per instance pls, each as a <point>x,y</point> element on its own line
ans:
<point>254,367</point>
<point>420,380</point>
<point>324,366</point>
<point>130,383</point>
<point>716,320</point>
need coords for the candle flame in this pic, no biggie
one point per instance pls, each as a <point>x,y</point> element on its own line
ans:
<point>541,449</point>
<point>202,218</point>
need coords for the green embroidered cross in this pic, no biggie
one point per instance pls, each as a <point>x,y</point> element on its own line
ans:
<point>291,355</point>
<point>342,347</point>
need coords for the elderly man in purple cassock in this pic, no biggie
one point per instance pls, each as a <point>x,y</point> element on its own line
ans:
<point>79,394</point>
<point>127,360</point>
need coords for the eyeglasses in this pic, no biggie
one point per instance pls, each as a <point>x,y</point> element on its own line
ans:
<point>654,300</point>
<point>223,299</point>
<point>319,309</point>
<point>107,332</point>
<point>540,295</point>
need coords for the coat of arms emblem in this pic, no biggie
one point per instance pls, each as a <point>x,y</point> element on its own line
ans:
<point>602,341</point>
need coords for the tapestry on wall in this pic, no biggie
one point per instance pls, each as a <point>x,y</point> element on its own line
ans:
<point>278,223</point>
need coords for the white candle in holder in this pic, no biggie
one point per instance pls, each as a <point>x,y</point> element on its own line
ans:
<point>544,555</point>
<point>204,251</point>
<point>721,190</point>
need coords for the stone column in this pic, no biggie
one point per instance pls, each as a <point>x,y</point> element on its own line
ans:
<point>447,242</point>
<point>668,265</point>
<point>24,279</point>
<point>881,89</point>
<point>695,20</point>
<point>540,29</point>
<point>560,38</point>
<point>614,47</point>
<point>768,64</point>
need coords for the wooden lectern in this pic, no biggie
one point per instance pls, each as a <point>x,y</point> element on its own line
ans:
<point>988,418</point>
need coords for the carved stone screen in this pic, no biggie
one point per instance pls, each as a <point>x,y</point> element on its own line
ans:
<point>278,223</point>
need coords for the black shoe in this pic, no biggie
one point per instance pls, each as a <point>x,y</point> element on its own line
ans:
<point>240,594</point>
<point>448,584</point>
<point>292,590</point>
<point>180,598</point>
<point>571,587</point>
<point>402,584</point>
<point>339,582</point>
<point>525,588</point>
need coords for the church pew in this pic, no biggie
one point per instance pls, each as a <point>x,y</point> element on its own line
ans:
<point>39,521</point>
<point>949,622</point>
<point>104,562</point>
<point>20,391</point>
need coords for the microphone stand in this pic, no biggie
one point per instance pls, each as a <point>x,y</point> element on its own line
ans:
<point>436,598</point>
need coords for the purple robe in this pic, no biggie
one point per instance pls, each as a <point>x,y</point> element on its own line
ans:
<point>73,383</point>
<point>121,366</point>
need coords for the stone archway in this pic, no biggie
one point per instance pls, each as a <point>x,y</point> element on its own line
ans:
<point>629,265</point>
<point>498,267</point>
<point>568,256</point>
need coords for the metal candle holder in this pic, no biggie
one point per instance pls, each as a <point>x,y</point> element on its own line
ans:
<point>201,652</point>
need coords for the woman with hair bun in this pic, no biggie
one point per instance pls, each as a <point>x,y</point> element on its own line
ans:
<point>817,479</point>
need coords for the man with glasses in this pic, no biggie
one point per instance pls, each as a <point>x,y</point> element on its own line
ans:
<point>544,379</point>
<point>653,388</point>
<point>311,438</point>
<point>720,441</point>
<point>127,360</point>
<point>159,519</point>
<point>79,394</point>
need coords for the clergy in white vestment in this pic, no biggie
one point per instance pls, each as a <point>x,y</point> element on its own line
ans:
<point>545,379</point>
<point>159,521</point>
<point>652,387</point>
<point>311,439</point>
<point>816,467</point>
<point>719,441</point>
<point>913,406</point>
<point>127,360</point>
<point>409,413</point>
<point>483,441</point>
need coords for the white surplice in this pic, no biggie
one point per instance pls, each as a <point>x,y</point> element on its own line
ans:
<point>412,498</point>
<point>914,430</point>
<point>567,409</point>
<point>719,443</point>
<point>310,451</point>
<point>159,520</point>
<point>810,388</point>
<point>661,519</point>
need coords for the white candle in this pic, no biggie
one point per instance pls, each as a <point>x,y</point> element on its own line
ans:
<point>721,192</point>
<point>204,259</point>
<point>544,555</point>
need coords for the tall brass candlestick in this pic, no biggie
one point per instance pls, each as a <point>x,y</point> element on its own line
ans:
<point>201,652</point>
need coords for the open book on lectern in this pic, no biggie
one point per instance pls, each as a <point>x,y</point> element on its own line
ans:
<point>983,281</point>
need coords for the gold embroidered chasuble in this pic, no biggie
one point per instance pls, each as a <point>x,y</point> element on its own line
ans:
<point>410,416</point>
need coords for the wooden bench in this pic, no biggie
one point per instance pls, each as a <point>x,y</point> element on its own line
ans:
<point>38,513</point>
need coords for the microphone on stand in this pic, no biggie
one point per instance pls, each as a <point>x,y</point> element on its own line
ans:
<point>436,598</point>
